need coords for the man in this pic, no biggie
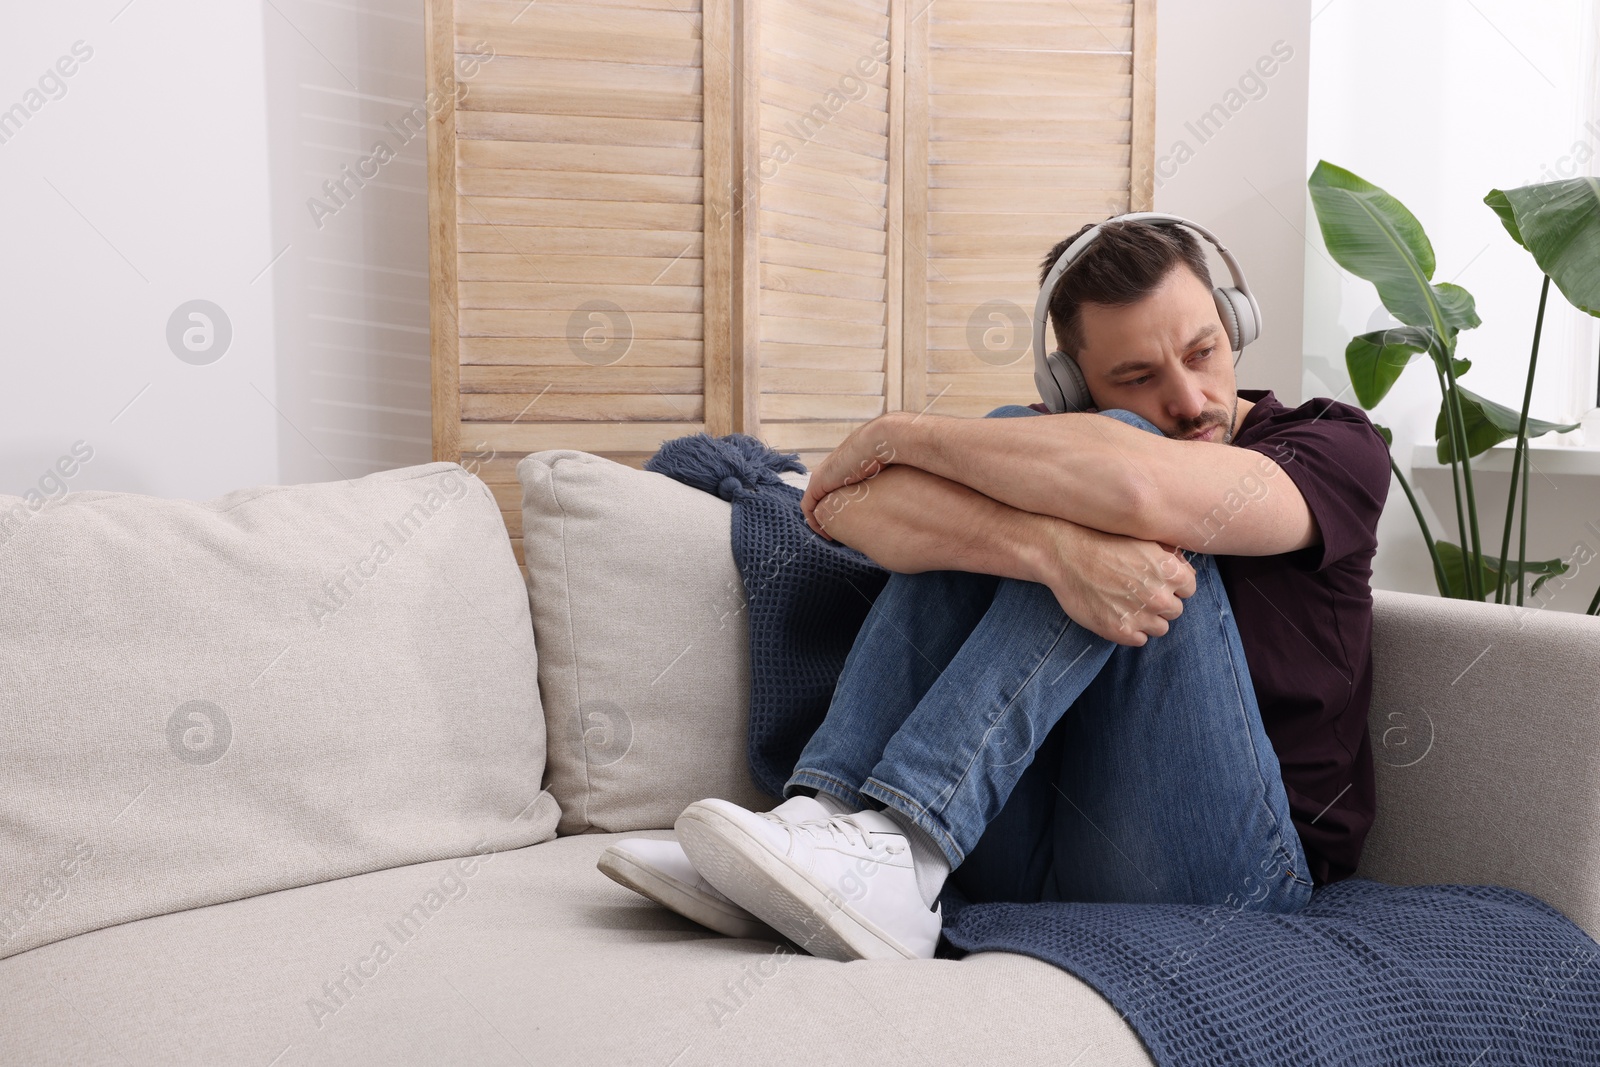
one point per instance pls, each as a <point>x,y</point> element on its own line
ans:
<point>1124,654</point>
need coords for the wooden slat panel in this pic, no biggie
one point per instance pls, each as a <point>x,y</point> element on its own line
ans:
<point>793,253</point>
<point>865,107</point>
<point>1009,71</point>
<point>791,380</point>
<point>782,277</point>
<point>799,70</point>
<point>580,185</point>
<point>819,357</point>
<point>498,323</point>
<point>1029,134</point>
<point>1141,193</point>
<point>545,352</point>
<point>552,295</point>
<point>776,406</point>
<point>553,155</point>
<point>914,231</point>
<point>806,129</point>
<point>613,270</point>
<point>600,438</point>
<point>822,436</point>
<point>588,199</point>
<point>821,232</point>
<point>785,146</point>
<point>522,72</point>
<point>832,308</point>
<point>625,152</point>
<point>1029,176</point>
<point>1029,153</point>
<point>828,302</point>
<point>951,33</point>
<point>681,20</point>
<point>613,379</point>
<point>510,9</point>
<point>563,240</point>
<point>1007,109</point>
<point>1038,126</point>
<point>858,211</point>
<point>588,407</point>
<point>812,331</point>
<point>501,126</point>
<point>577,214</point>
<point>528,38</point>
<point>723,379</point>
<point>894,298</point>
<point>439,35</point>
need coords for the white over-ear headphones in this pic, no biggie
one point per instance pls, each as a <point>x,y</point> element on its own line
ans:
<point>1059,380</point>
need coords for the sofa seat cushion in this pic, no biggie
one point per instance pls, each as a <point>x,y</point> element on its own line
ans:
<point>532,957</point>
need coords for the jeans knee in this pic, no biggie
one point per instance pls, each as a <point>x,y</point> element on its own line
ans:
<point>1131,418</point>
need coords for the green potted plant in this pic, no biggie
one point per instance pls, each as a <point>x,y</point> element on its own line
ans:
<point>1373,236</point>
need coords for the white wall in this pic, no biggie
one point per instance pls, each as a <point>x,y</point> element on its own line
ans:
<point>141,187</point>
<point>177,165</point>
<point>1244,181</point>
<point>1439,102</point>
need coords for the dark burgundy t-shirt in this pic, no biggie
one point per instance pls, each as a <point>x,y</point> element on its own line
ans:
<point>1305,619</point>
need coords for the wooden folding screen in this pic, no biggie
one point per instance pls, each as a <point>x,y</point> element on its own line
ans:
<point>652,218</point>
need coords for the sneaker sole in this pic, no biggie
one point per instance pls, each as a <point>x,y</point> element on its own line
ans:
<point>687,901</point>
<point>797,907</point>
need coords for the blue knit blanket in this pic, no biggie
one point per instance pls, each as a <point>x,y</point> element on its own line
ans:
<point>1366,973</point>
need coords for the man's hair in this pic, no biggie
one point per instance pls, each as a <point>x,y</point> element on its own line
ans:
<point>1126,262</point>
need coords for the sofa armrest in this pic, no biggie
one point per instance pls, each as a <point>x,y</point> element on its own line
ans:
<point>1485,728</point>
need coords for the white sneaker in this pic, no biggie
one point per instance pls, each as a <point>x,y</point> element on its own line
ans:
<point>662,872</point>
<point>840,886</point>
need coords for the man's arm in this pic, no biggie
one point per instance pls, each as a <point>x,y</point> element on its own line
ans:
<point>1105,474</point>
<point>909,520</point>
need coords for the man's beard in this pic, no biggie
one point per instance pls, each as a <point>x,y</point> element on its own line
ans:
<point>1200,426</point>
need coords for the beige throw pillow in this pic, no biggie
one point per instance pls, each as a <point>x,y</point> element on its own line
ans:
<point>284,685</point>
<point>644,648</point>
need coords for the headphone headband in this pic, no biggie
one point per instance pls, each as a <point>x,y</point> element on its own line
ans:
<point>1074,393</point>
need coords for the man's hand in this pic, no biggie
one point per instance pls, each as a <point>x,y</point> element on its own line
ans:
<point>1125,589</point>
<point>868,450</point>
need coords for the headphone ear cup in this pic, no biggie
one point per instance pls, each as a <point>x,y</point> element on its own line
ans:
<point>1238,317</point>
<point>1069,377</point>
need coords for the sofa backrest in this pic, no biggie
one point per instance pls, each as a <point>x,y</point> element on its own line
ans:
<point>1485,730</point>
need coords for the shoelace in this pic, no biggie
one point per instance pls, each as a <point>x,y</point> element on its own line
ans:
<point>849,829</point>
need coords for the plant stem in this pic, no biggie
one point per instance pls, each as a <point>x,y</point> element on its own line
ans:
<point>1427,535</point>
<point>1505,540</point>
<point>1594,605</point>
<point>1517,456</point>
<point>1466,477</point>
<point>1522,539</point>
<point>1456,452</point>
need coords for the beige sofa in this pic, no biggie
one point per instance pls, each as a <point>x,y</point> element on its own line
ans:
<point>243,926</point>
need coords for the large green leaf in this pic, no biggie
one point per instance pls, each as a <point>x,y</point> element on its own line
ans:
<point>1455,570</point>
<point>1375,360</point>
<point>1487,425</point>
<point>1372,235</point>
<point>1559,223</point>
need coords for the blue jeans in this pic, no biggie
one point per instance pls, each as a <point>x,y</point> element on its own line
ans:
<point>1049,763</point>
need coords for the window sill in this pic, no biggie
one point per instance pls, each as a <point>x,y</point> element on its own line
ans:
<point>1574,454</point>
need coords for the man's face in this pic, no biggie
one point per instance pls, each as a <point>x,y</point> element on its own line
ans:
<point>1165,357</point>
